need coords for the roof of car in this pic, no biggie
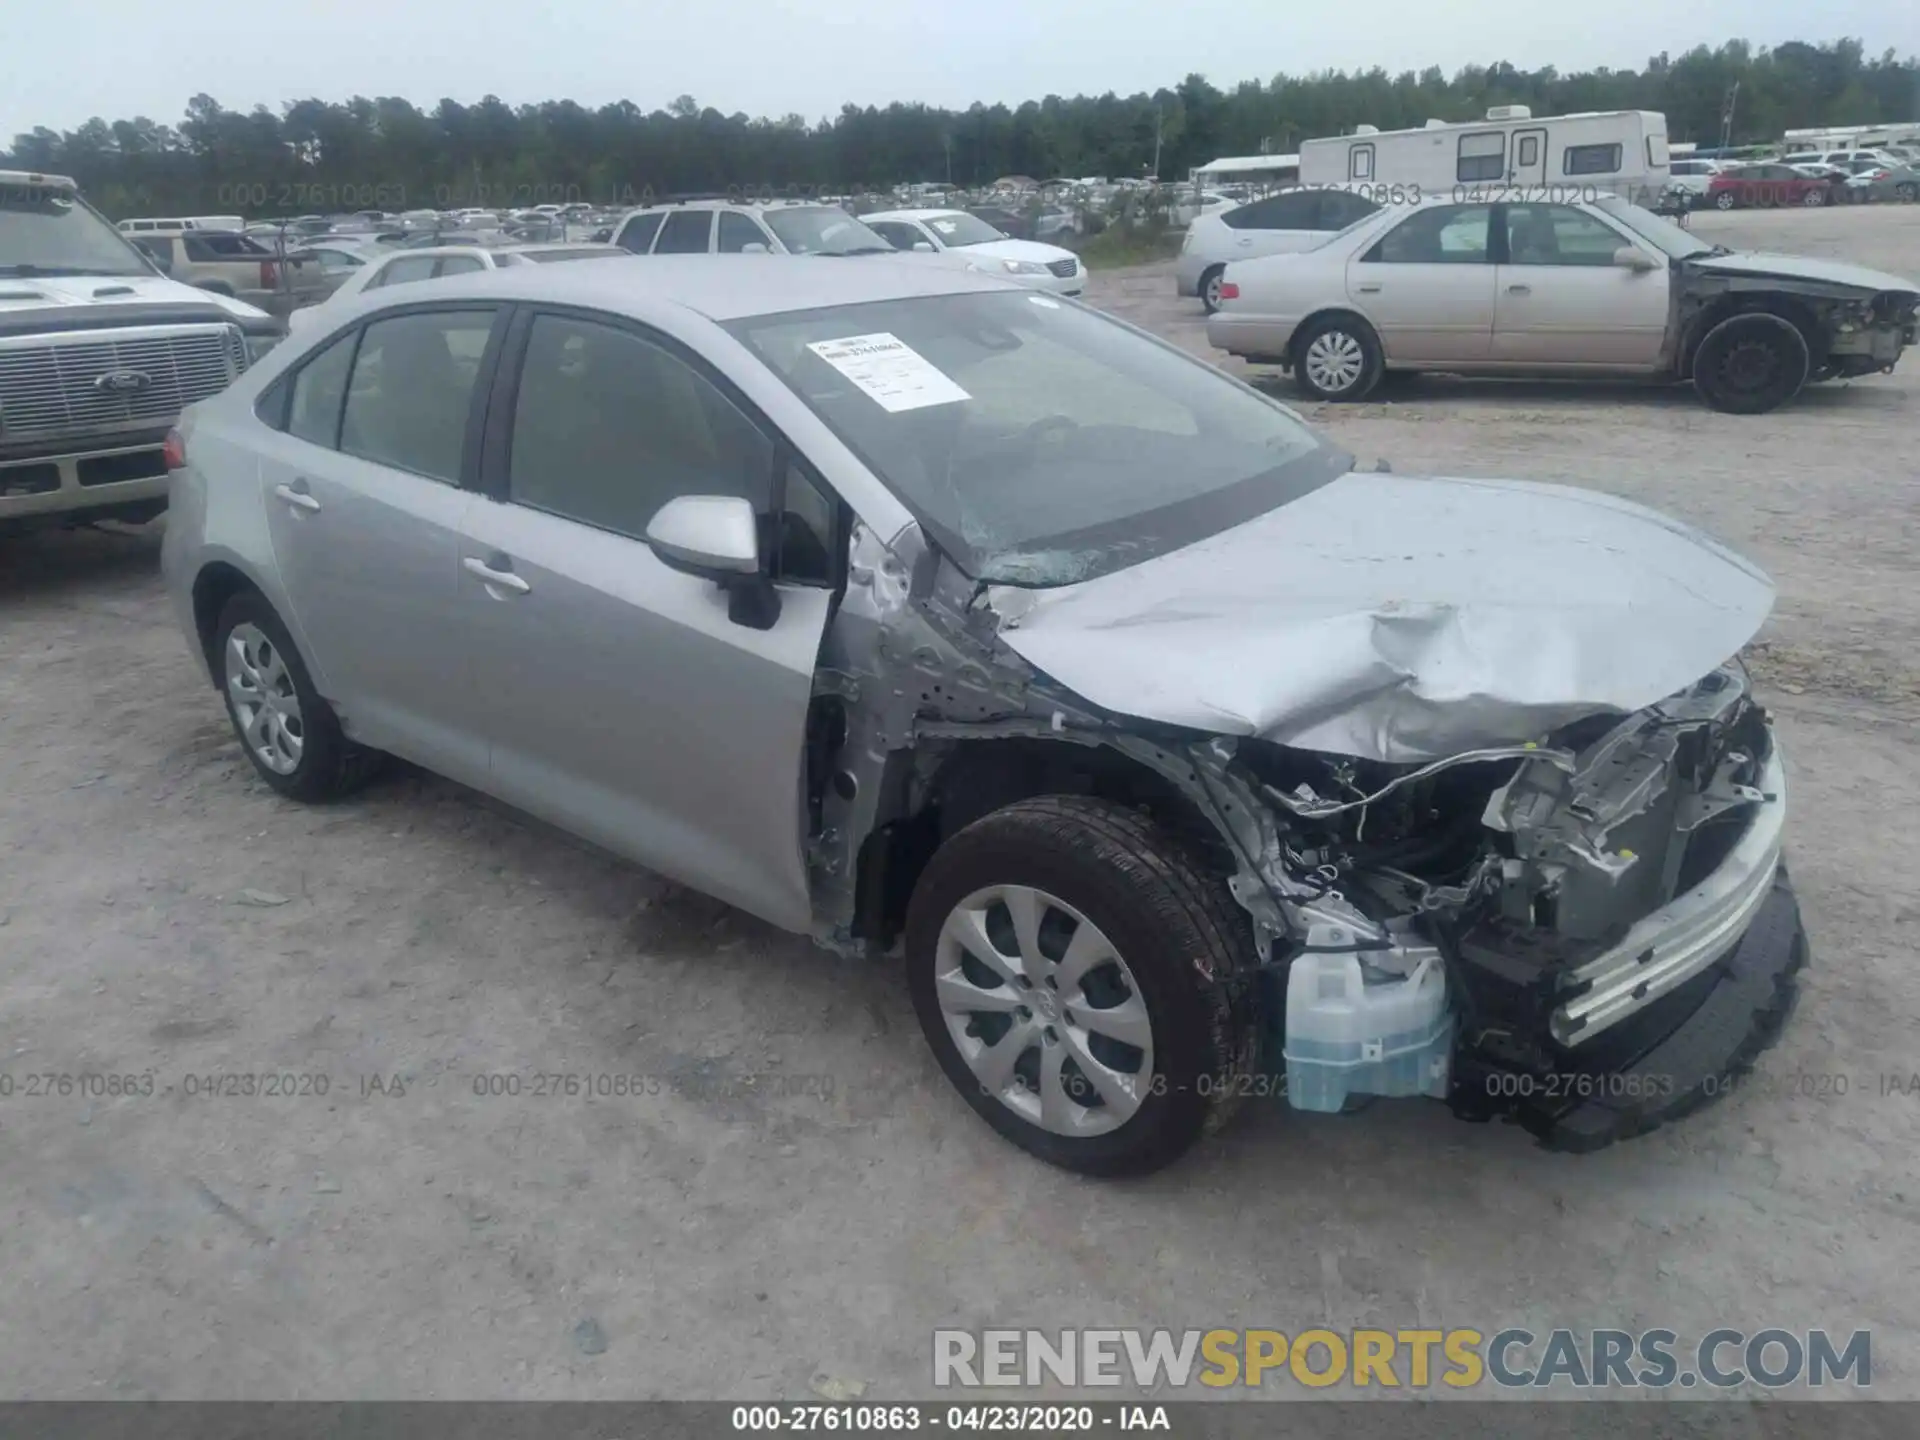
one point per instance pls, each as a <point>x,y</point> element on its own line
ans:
<point>728,287</point>
<point>921,214</point>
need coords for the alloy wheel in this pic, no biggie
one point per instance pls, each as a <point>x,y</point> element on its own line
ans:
<point>1334,361</point>
<point>1044,1010</point>
<point>265,703</point>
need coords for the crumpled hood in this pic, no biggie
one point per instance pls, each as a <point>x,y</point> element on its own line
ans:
<point>39,292</point>
<point>1802,267</point>
<point>1401,619</point>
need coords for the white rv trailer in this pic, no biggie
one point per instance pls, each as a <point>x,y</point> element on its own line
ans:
<point>1618,151</point>
<point>1854,137</point>
<point>1262,171</point>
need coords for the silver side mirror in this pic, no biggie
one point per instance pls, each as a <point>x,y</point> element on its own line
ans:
<point>717,537</point>
<point>923,246</point>
<point>754,247</point>
<point>709,535</point>
<point>1631,257</point>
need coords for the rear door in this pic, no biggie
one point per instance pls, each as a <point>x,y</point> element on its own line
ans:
<point>1427,285</point>
<point>363,489</point>
<point>620,699</point>
<point>1560,300</point>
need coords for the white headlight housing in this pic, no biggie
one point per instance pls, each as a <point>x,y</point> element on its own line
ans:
<point>1024,267</point>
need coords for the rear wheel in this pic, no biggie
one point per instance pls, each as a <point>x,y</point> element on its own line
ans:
<point>1814,198</point>
<point>1338,358</point>
<point>1751,363</point>
<point>1084,982</point>
<point>1907,192</point>
<point>1210,288</point>
<point>1725,200</point>
<point>289,733</point>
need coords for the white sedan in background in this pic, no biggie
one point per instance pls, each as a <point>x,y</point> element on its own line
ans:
<point>957,234</point>
<point>432,262</point>
<point>1601,287</point>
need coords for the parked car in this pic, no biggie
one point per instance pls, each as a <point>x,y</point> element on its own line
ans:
<point>1591,288</point>
<point>1292,220</point>
<point>228,263</point>
<point>98,353</point>
<point>338,257</point>
<point>896,609</point>
<point>966,238</point>
<point>1691,177</point>
<point>402,265</point>
<point>1877,180</point>
<point>1771,184</point>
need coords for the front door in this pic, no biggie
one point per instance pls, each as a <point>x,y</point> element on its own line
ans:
<point>1528,165</point>
<point>364,506</point>
<point>1561,300</point>
<point>621,701</point>
<point>1427,286</point>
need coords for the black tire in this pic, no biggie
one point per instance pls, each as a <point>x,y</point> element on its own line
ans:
<point>1814,198</point>
<point>1725,200</point>
<point>1188,945</point>
<point>1210,288</point>
<point>1906,192</point>
<point>1366,377</point>
<point>1749,364</point>
<point>330,766</point>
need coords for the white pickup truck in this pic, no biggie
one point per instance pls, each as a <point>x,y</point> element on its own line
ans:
<point>99,352</point>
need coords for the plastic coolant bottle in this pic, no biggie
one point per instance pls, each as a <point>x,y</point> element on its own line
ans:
<point>1351,1031</point>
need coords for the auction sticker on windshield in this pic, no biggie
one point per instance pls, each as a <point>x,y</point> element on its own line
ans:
<point>891,371</point>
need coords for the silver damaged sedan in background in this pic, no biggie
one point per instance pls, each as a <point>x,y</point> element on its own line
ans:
<point>1176,760</point>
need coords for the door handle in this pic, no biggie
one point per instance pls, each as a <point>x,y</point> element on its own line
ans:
<point>498,579</point>
<point>299,499</point>
<point>1371,287</point>
<point>1519,289</point>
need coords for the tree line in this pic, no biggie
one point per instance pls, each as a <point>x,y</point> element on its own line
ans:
<point>387,153</point>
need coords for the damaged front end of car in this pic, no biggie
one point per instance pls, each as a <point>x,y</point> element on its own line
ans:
<point>1589,930</point>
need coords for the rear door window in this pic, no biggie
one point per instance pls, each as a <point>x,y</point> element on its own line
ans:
<point>637,234</point>
<point>685,233</point>
<point>1294,210</point>
<point>412,390</point>
<point>403,270</point>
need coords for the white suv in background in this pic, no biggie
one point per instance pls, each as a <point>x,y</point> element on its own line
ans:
<point>703,227</point>
<point>1292,220</point>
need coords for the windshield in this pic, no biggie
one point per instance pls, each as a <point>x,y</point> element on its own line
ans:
<point>960,228</point>
<point>1654,229</point>
<point>47,230</point>
<point>1040,443</point>
<point>823,230</point>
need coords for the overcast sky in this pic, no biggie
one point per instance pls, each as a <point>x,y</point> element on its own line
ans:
<point>61,64</point>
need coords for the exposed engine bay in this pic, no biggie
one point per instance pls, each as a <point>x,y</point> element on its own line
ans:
<point>1566,887</point>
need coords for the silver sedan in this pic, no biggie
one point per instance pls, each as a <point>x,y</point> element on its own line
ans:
<point>943,619</point>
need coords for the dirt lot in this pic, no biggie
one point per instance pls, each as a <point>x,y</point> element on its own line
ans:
<point>800,1192</point>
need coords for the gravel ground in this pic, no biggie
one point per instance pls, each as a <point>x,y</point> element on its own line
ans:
<point>796,1191</point>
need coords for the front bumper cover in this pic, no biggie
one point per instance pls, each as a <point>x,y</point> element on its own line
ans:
<point>1688,1048</point>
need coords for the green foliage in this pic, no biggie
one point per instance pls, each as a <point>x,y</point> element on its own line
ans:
<point>387,154</point>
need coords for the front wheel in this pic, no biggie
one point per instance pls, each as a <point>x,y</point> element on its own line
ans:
<point>1338,358</point>
<point>1749,364</point>
<point>1725,200</point>
<point>1814,198</point>
<point>1906,192</point>
<point>1084,982</point>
